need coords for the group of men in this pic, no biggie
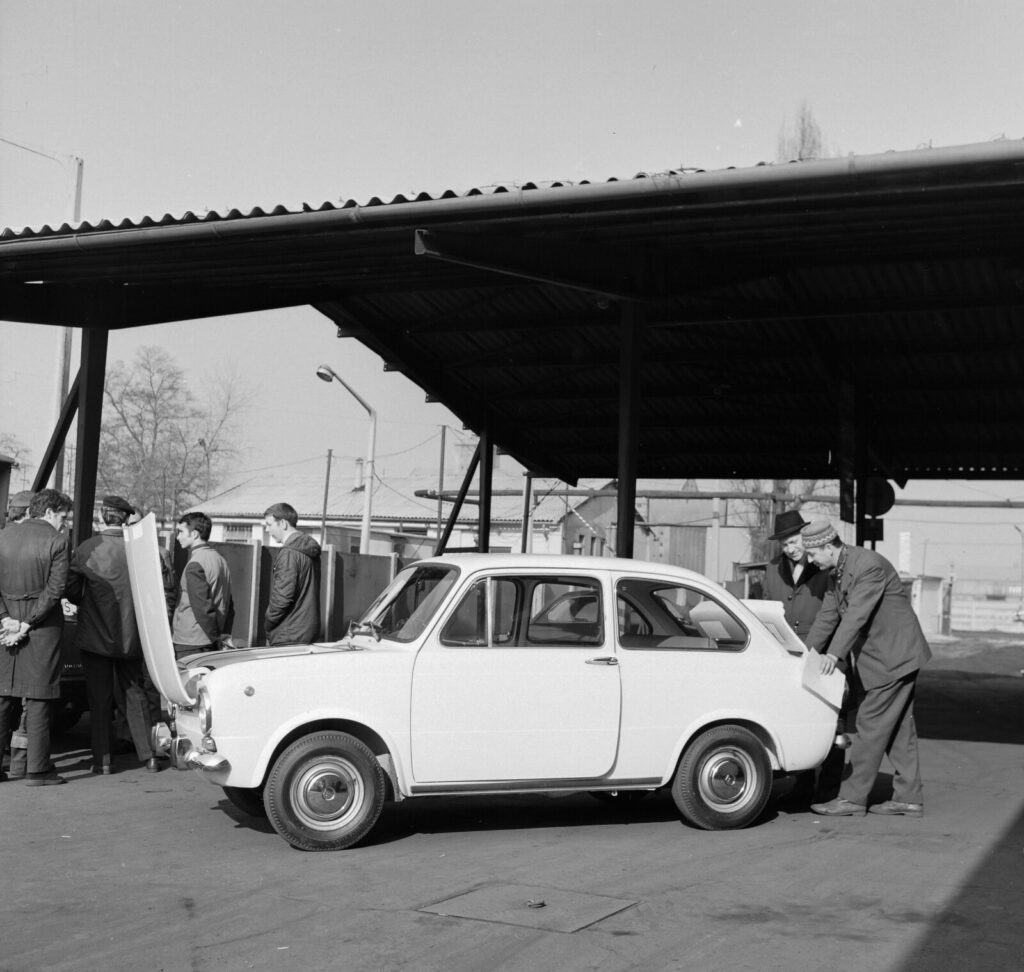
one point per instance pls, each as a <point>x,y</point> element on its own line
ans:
<point>39,572</point>
<point>849,605</point>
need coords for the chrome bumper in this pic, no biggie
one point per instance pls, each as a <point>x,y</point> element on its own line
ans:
<point>184,754</point>
<point>206,762</point>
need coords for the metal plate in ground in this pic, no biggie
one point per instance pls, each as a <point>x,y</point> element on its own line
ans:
<point>519,904</point>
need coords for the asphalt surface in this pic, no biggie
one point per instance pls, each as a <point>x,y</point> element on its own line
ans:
<point>149,871</point>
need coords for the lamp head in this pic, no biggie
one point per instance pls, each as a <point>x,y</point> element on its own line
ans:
<point>325,373</point>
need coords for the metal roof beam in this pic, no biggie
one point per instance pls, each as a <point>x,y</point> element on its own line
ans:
<point>594,270</point>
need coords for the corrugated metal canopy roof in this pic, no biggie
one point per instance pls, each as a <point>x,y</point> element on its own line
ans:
<point>784,306</point>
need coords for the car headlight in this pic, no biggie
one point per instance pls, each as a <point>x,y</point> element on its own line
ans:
<point>204,709</point>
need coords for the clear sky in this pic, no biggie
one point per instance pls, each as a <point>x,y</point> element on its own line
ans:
<point>201,105</point>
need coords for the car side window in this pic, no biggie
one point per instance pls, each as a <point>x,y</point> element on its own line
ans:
<point>565,612</point>
<point>675,616</point>
<point>523,611</point>
<point>468,623</point>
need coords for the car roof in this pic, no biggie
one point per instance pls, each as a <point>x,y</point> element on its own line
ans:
<point>565,563</point>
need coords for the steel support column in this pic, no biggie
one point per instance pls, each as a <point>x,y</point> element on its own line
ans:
<point>526,546</point>
<point>630,356</point>
<point>57,438</point>
<point>486,487</point>
<point>90,410</point>
<point>442,541</point>
<point>861,475</point>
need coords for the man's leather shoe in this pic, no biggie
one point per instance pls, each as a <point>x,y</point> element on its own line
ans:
<point>838,808</point>
<point>44,779</point>
<point>101,769</point>
<point>896,808</point>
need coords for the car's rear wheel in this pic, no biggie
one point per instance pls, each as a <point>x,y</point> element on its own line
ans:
<point>248,800</point>
<point>324,792</point>
<point>723,780</point>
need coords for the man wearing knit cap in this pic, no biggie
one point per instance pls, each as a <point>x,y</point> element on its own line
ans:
<point>868,616</point>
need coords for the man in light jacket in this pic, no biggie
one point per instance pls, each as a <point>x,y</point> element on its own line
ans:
<point>205,612</point>
<point>293,614</point>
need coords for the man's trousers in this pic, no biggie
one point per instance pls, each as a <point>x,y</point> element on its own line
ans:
<point>884,727</point>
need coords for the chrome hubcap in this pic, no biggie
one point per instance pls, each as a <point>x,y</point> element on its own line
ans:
<point>726,778</point>
<point>327,793</point>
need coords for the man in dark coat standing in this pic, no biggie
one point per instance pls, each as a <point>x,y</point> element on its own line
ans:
<point>108,637</point>
<point>33,575</point>
<point>293,614</point>
<point>17,511</point>
<point>791,578</point>
<point>868,615</point>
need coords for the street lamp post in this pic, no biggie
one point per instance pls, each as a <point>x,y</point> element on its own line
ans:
<point>328,374</point>
<point>74,215</point>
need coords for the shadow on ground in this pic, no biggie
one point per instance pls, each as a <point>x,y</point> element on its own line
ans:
<point>982,926</point>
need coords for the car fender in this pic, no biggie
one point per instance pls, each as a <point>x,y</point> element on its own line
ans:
<point>717,717</point>
<point>308,721</point>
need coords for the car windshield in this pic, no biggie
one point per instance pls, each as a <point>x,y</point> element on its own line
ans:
<point>410,601</point>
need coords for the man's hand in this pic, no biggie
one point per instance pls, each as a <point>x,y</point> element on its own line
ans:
<point>828,664</point>
<point>14,632</point>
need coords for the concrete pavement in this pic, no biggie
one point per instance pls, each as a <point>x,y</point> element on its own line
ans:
<point>141,871</point>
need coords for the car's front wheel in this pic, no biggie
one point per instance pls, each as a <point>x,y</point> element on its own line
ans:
<point>324,792</point>
<point>723,780</point>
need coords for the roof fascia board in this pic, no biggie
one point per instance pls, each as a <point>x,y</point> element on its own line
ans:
<point>989,164</point>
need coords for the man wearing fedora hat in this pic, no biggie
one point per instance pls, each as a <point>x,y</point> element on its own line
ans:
<point>790,578</point>
<point>866,617</point>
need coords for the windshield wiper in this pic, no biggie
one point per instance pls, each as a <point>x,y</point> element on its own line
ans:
<point>362,627</point>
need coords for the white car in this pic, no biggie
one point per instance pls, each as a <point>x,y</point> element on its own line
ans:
<point>504,673</point>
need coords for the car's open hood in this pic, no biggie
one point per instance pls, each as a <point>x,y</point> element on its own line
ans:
<point>234,656</point>
<point>142,547</point>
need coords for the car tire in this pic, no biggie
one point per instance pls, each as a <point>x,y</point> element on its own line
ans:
<point>324,792</point>
<point>723,780</point>
<point>248,799</point>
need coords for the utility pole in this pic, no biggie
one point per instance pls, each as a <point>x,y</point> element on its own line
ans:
<point>74,216</point>
<point>327,491</point>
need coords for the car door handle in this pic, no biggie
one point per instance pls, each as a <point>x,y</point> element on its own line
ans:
<point>603,660</point>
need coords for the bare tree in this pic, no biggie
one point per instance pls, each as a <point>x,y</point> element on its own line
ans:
<point>758,515</point>
<point>13,448</point>
<point>804,139</point>
<point>159,446</point>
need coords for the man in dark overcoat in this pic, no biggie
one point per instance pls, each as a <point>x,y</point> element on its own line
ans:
<point>17,510</point>
<point>791,578</point>
<point>869,618</point>
<point>33,576</point>
<point>108,637</point>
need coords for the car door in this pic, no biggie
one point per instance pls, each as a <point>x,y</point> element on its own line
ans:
<point>519,682</point>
